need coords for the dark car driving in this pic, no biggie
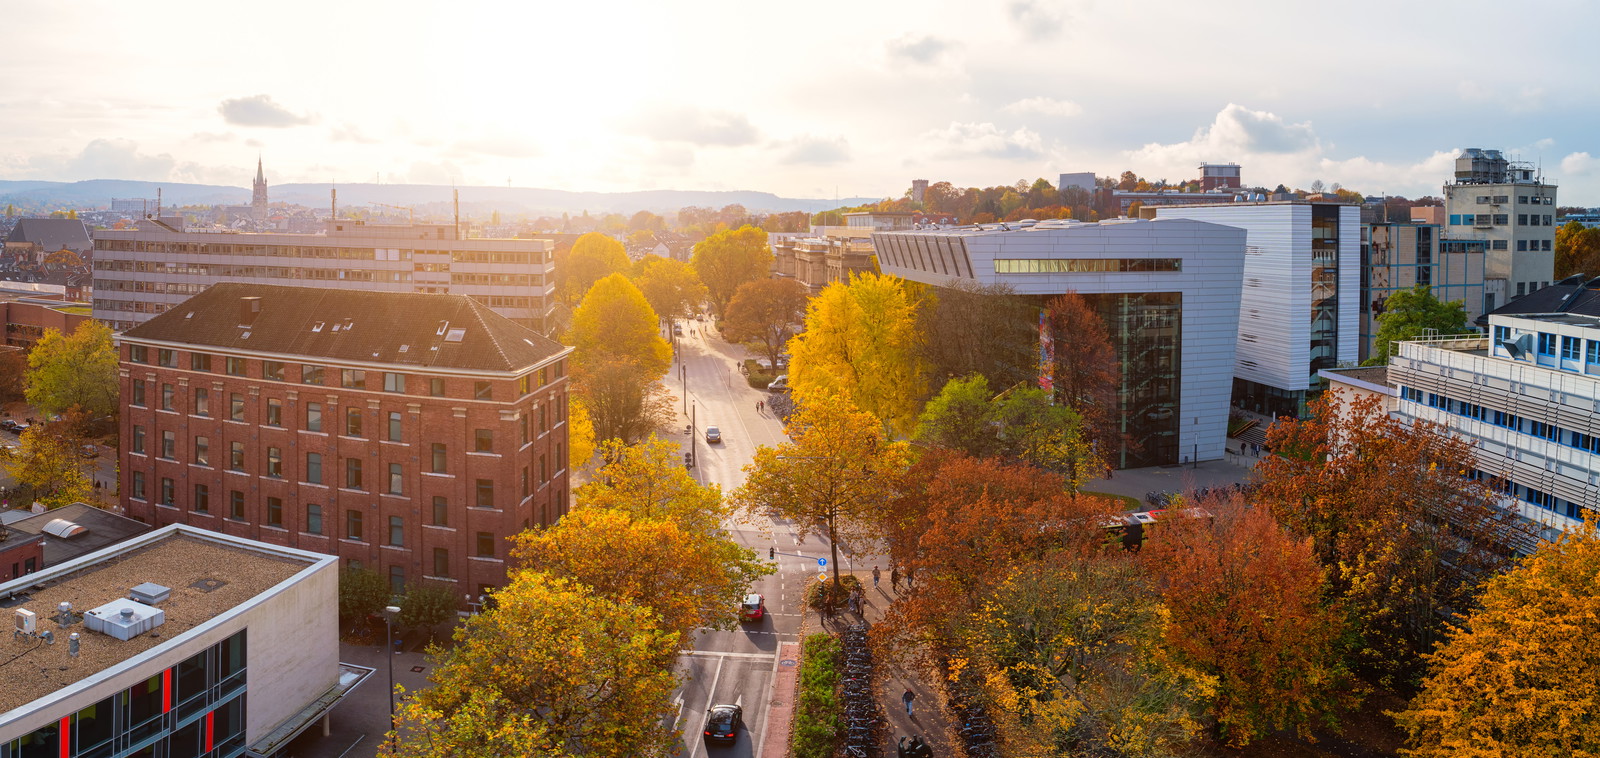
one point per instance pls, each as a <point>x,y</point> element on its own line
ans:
<point>722,723</point>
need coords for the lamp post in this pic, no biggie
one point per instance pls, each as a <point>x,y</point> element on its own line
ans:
<point>683,374</point>
<point>388,630</point>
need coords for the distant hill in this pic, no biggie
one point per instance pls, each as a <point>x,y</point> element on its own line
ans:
<point>426,197</point>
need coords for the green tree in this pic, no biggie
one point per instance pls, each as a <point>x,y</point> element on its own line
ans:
<point>1521,676</point>
<point>427,605</point>
<point>592,258</point>
<point>961,418</point>
<point>764,315</point>
<point>48,466</point>
<point>616,321</point>
<point>972,328</point>
<point>861,343</point>
<point>728,259</point>
<point>1408,314</point>
<point>362,593</point>
<point>671,286</point>
<point>1019,425</point>
<point>552,671</point>
<point>79,369</point>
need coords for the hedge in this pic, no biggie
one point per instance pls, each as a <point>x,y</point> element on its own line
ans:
<point>816,716</point>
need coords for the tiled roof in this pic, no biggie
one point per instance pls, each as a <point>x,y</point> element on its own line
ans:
<point>425,330</point>
<point>52,234</point>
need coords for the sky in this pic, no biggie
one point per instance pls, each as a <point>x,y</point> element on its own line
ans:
<point>812,99</point>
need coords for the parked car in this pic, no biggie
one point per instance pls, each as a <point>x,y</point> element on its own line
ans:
<point>89,451</point>
<point>722,723</point>
<point>713,435</point>
<point>17,427</point>
<point>754,608</point>
<point>677,330</point>
<point>779,384</point>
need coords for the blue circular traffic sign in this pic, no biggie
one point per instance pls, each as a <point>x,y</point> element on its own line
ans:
<point>822,561</point>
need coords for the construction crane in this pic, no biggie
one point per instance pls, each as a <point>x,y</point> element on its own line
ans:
<point>411,213</point>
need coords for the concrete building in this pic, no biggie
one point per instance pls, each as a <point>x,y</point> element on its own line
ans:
<point>179,642</point>
<point>1168,291</point>
<point>139,274</point>
<point>834,253</point>
<point>1219,176</point>
<point>410,434</point>
<point>1299,311</point>
<point>1508,205</point>
<point>1396,257</point>
<point>1083,180</point>
<point>1528,395</point>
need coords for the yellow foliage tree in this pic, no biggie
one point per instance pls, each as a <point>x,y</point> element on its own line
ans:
<point>862,343</point>
<point>78,369</point>
<point>671,286</point>
<point>580,433</point>
<point>1522,676</point>
<point>616,320</point>
<point>592,258</point>
<point>730,258</point>
<point>48,465</point>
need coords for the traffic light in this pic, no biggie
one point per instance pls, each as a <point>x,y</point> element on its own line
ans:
<point>688,460</point>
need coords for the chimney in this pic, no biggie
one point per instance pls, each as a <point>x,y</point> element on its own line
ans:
<point>249,307</point>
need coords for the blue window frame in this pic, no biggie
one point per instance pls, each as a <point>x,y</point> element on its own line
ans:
<point>1547,344</point>
<point>1592,350</point>
<point>1502,333</point>
<point>1570,347</point>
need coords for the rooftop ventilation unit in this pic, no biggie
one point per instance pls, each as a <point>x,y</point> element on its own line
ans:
<point>455,335</point>
<point>64,529</point>
<point>27,621</point>
<point>150,593</point>
<point>1519,346</point>
<point>124,619</point>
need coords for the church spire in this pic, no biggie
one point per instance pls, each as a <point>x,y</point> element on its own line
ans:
<point>258,192</point>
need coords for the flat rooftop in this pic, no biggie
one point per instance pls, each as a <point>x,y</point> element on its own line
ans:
<point>207,579</point>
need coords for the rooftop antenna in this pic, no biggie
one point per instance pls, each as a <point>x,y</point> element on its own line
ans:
<point>158,202</point>
<point>333,203</point>
<point>457,194</point>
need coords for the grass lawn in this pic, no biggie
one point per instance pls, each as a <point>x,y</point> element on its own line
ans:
<point>1129,503</point>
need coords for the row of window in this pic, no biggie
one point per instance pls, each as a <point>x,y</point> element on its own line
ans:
<point>1532,496</point>
<point>348,378</point>
<point>1085,265</point>
<point>297,251</point>
<point>1521,199</point>
<point>1585,442</point>
<point>1500,219</point>
<point>1572,348</point>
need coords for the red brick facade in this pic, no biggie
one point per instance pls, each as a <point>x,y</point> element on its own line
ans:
<point>421,474</point>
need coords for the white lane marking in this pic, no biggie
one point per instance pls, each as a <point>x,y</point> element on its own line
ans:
<point>711,695</point>
<point>353,745</point>
<point>718,654</point>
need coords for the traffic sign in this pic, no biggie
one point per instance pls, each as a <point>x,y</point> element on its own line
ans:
<point>822,561</point>
<point>822,577</point>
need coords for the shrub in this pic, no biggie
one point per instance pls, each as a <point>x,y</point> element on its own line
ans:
<point>848,583</point>
<point>816,715</point>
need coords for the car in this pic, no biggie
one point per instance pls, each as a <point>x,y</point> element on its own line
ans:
<point>779,384</point>
<point>754,608</point>
<point>10,426</point>
<point>713,435</point>
<point>677,330</point>
<point>89,451</point>
<point>722,722</point>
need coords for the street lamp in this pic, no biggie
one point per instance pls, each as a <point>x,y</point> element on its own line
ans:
<point>388,632</point>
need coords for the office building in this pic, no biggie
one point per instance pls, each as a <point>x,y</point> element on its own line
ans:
<point>1167,290</point>
<point>1219,176</point>
<point>139,274</point>
<point>177,643</point>
<point>835,253</point>
<point>1508,205</point>
<point>410,434</point>
<point>1083,180</point>
<point>1397,257</point>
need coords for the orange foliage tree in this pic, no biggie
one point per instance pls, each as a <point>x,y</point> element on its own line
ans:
<point>1086,372</point>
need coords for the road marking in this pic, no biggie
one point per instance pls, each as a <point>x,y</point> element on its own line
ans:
<point>711,695</point>
<point>717,654</point>
<point>353,745</point>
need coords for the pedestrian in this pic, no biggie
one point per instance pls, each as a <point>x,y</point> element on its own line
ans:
<point>854,601</point>
<point>772,553</point>
<point>874,577</point>
<point>911,578</point>
<point>908,699</point>
<point>894,578</point>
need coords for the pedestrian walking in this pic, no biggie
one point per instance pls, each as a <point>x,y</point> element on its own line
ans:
<point>772,553</point>
<point>894,578</point>
<point>874,577</point>
<point>908,699</point>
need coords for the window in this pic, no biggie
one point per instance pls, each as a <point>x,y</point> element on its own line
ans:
<point>522,425</point>
<point>138,392</point>
<point>485,490</point>
<point>352,525</point>
<point>1522,219</point>
<point>272,370</point>
<point>202,451</point>
<point>236,505</point>
<point>561,458</point>
<point>436,387</point>
<point>235,366</point>
<point>168,492</point>
<point>352,473</point>
<point>138,354</point>
<point>166,358</point>
<point>138,439</point>
<point>441,511</point>
<point>202,401</point>
<point>236,406</point>
<point>1497,244</point>
<point>353,379</point>
<point>485,545</point>
<point>544,422</point>
<point>394,382</point>
<point>1592,351</point>
<point>482,391</point>
<point>544,472</point>
<point>166,397</point>
<point>1544,245</point>
<point>524,384</point>
<point>441,562</point>
<point>202,499</point>
<point>200,361</point>
<point>274,412</point>
<point>169,444</point>
<point>483,440</point>
<point>1570,348</point>
<point>397,531</point>
<point>313,417</point>
<point>397,580</point>
<point>314,468</point>
<point>1522,246</point>
<point>438,458</point>
<point>1547,344</point>
<point>394,426</point>
<point>310,374</point>
<point>275,462</point>
<point>525,489</point>
<point>313,518</point>
<point>1502,333</point>
<point>397,477</point>
<point>352,422</point>
<point>275,512</point>
<point>236,456</point>
<point>138,485</point>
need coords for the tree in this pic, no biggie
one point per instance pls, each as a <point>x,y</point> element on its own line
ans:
<point>1316,186</point>
<point>580,434</point>
<point>834,475</point>
<point>553,670</point>
<point>47,464</point>
<point>670,286</point>
<point>1246,605</point>
<point>646,221</point>
<point>1085,373</point>
<point>728,259</point>
<point>362,593</point>
<point>427,605</point>
<point>615,321</point>
<point>972,328</point>
<point>1408,314</point>
<point>1019,425</point>
<point>624,399</point>
<point>1128,181</point>
<point>1577,250</point>
<point>861,343</point>
<point>1521,676</point>
<point>961,418</point>
<point>79,369</point>
<point>592,258</point>
<point>764,315</point>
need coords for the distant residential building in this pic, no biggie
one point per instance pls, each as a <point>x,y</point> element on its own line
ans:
<point>32,240</point>
<point>1428,214</point>
<point>133,207</point>
<point>1219,176</point>
<point>1168,291</point>
<point>35,541</point>
<point>26,317</point>
<point>1511,207</point>
<point>1397,257</point>
<point>1083,180</point>
<point>834,253</point>
<point>408,433</point>
<point>142,273</point>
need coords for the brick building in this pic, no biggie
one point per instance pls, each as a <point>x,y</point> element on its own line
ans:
<point>407,433</point>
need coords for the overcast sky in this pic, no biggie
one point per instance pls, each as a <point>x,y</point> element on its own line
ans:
<point>805,99</point>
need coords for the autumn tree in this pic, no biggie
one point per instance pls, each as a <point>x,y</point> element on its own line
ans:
<point>1246,606</point>
<point>861,343</point>
<point>1394,515</point>
<point>1409,314</point>
<point>623,398</point>
<point>973,328</point>
<point>1018,425</point>
<point>79,369</point>
<point>1085,373</point>
<point>670,286</point>
<point>553,670</point>
<point>764,315</point>
<point>362,593</point>
<point>618,356</point>
<point>13,367</point>
<point>1577,250</point>
<point>580,434</point>
<point>833,476</point>
<point>1521,676</point>
<point>48,466</point>
<point>730,258</point>
<point>593,257</point>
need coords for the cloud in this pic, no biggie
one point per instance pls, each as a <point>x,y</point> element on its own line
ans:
<point>213,136</point>
<point>1037,19</point>
<point>1044,106</point>
<point>925,49</point>
<point>117,159</point>
<point>985,140</point>
<point>1579,164</point>
<point>499,144</point>
<point>350,133</point>
<point>1235,131</point>
<point>441,172</point>
<point>816,151</point>
<point>696,126</point>
<point>260,110</point>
